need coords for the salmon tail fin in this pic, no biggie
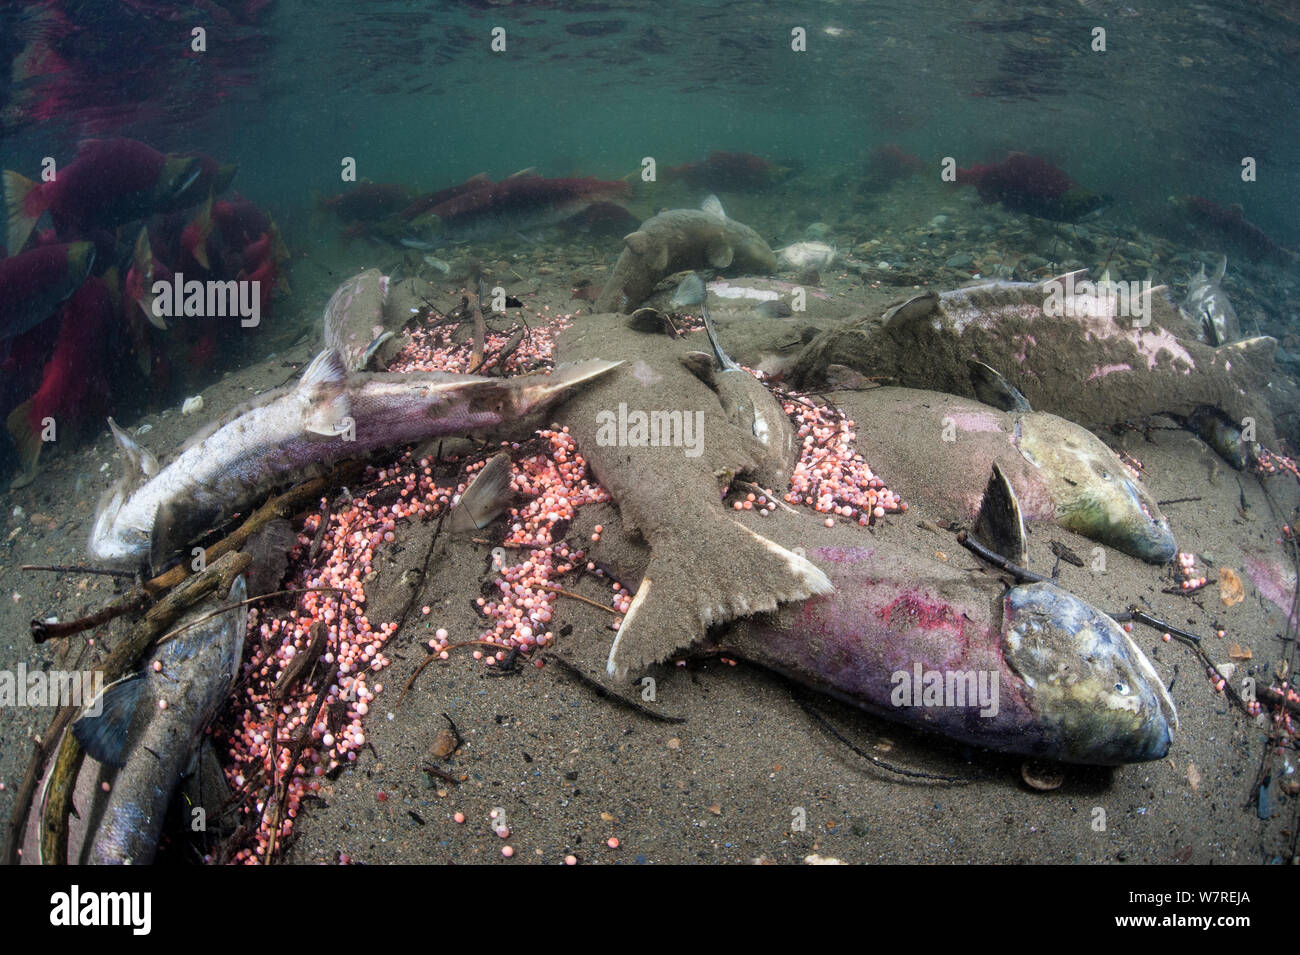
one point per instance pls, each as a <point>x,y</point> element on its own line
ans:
<point>678,599</point>
<point>23,206</point>
<point>536,391</point>
<point>28,441</point>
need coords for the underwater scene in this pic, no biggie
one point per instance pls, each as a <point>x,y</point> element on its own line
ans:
<point>649,433</point>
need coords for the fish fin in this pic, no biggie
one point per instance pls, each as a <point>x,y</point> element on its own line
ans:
<point>720,254</point>
<point>327,368</point>
<point>28,442</point>
<point>104,737</point>
<point>24,203</point>
<point>639,242</point>
<point>176,525</point>
<point>485,497</point>
<point>691,291</point>
<point>178,174</point>
<point>533,391</point>
<point>171,528</point>
<point>324,380</point>
<point>993,389</point>
<point>372,349</point>
<point>1258,352</point>
<point>724,360</point>
<point>999,524</point>
<point>138,458</point>
<point>681,596</point>
<point>142,262</point>
<point>713,206</point>
<point>1221,271</point>
<point>203,220</point>
<point>918,308</point>
<point>702,366</point>
<point>1210,334</point>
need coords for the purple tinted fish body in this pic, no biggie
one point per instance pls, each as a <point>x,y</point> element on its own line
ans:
<point>1034,671</point>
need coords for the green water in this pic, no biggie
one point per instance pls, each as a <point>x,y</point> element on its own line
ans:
<point>414,91</point>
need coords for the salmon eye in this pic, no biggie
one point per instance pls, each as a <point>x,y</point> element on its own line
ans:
<point>1121,688</point>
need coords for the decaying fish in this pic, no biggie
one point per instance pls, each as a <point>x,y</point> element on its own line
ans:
<point>355,325</point>
<point>677,240</point>
<point>1069,352</point>
<point>1033,670</point>
<point>1060,472</point>
<point>807,255</point>
<point>294,433</point>
<point>139,748</point>
<point>1208,309</point>
<point>663,434</point>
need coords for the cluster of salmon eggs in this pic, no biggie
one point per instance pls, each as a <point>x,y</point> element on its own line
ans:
<point>434,348</point>
<point>557,483</point>
<point>1190,579</point>
<point>1269,463</point>
<point>830,476</point>
<point>272,717</point>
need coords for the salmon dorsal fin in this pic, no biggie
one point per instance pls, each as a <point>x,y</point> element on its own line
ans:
<point>993,389</point>
<point>999,525</point>
<point>916,309</point>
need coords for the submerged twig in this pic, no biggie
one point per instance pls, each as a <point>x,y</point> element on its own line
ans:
<point>78,569</point>
<point>1015,570</point>
<point>572,596</point>
<point>876,760</point>
<point>605,693</point>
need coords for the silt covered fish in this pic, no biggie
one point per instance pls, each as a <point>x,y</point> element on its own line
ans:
<point>1064,344</point>
<point>677,240</point>
<point>1060,472</point>
<point>664,434</point>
